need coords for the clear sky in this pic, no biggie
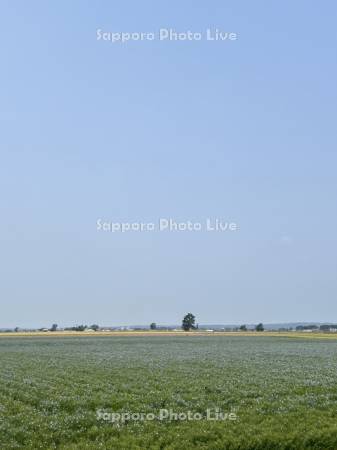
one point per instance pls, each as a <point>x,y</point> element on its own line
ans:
<point>240,130</point>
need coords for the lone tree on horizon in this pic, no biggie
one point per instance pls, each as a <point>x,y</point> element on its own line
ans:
<point>259,327</point>
<point>188,323</point>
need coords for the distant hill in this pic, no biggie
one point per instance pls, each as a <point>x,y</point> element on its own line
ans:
<point>267,326</point>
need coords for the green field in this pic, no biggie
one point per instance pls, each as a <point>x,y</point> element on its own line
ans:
<point>282,390</point>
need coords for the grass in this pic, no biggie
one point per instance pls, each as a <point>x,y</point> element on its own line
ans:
<point>283,390</point>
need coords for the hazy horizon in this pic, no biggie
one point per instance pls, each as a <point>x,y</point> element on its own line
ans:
<point>167,324</point>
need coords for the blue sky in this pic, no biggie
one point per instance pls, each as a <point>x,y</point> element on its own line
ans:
<point>243,131</point>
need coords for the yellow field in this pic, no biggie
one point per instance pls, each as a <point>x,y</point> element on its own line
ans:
<point>291,334</point>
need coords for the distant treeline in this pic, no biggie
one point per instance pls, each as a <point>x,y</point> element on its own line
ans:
<point>325,327</point>
<point>188,324</point>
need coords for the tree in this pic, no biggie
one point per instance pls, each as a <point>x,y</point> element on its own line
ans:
<point>243,328</point>
<point>95,327</point>
<point>16,329</point>
<point>54,327</point>
<point>188,322</point>
<point>153,326</point>
<point>259,327</point>
<point>77,328</point>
